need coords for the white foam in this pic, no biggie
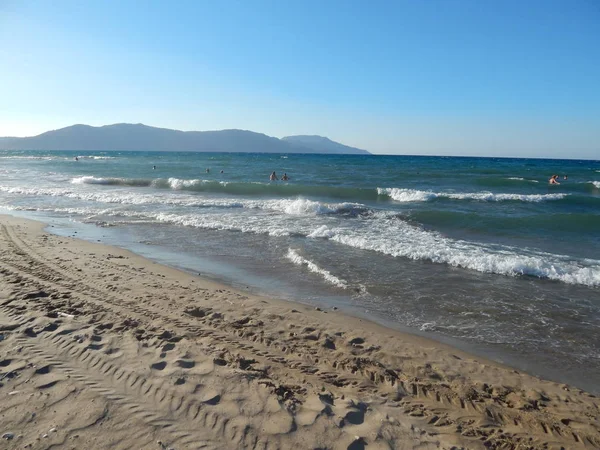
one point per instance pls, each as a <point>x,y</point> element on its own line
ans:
<point>522,179</point>
<point>177,183</point>
<point>322,232</point>
<point>407,195</point>
<point>399,239</point>
<point>95,157</point>
<point>490,197</point>
<point>413,195</point>
<point>381,232</point>
<point>294,257</point>
<point>91,180</point>
<point>595,183</point>
<point>257,224</point>
<point>294,206</point>
<point>42,158</point>
<point>301,206</point>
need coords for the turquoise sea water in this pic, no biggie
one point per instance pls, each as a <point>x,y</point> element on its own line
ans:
<point>481,252</point>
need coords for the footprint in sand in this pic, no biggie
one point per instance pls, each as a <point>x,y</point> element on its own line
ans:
<point>356,341</point>
<point>358,444</point>
<point>211,399</point>
<point>168,347</point>
<point>159,365</point>
<point>30,332</point>
<point>185,364</point>
<point>44,370</point>
<point>355,417</point>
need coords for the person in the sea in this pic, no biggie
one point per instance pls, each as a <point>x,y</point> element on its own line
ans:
<point>207,170</point>
<point>284,177</point>
<point>553,179</point>
<point>565,178</point>
<point>273,177</point>
<point>76,158</point>
<point>153,167</point>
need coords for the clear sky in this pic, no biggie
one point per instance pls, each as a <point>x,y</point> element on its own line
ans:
<point>451,77</point>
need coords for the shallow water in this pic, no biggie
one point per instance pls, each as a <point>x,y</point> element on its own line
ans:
<point>479,252</point>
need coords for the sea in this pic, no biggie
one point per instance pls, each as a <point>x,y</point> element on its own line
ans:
<point>479,253</point>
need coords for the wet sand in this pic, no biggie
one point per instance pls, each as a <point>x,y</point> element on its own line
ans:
<point>101,348</point>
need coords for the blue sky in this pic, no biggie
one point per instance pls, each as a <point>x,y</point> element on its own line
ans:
<point>451,77</point>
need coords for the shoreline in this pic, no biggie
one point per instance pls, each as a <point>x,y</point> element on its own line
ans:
<point>220,273</point>
<point>253,370</point>
<point>216,274</point>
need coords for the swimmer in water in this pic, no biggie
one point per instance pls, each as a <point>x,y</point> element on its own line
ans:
<point>76,158</point>
<point>284,177</point>
<point>153,167</point>
<point>207,170</point>
<point>553,179</point>
<point>273,177</point>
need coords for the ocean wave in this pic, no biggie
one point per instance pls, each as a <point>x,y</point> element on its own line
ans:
<point>259,189</point>
<point>42,158</point>
<point>596,184</point>
<point>246,189</point>
<point>178,184</point>
<point>300,206</point>
<point>95,157</point>
<point>522,179</point>
<point>294,257</point>
<point>414,195</point>
<point>293,206</point>
<point>398,238</point>
<point>55,157</point>
<point>386,234</point>
<point>141,182</point>
<point>418,244</point>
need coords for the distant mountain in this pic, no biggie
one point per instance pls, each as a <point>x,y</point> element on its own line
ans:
<point>324,145</point>
<point>139,137</point>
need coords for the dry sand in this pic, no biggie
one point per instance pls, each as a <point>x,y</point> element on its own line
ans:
<point>103,349</point>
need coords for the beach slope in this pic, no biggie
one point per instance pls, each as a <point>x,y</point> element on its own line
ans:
<point>100,348</point>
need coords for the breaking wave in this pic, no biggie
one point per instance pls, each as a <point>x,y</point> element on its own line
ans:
<point>294,206</point>
<point>384,234</point>
<point>287,190</point>
<point>413,195</point>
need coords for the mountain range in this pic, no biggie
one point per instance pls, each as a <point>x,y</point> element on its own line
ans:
<point>139,137</point>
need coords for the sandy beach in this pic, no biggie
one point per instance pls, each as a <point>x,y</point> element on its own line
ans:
<point>103,349</point>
